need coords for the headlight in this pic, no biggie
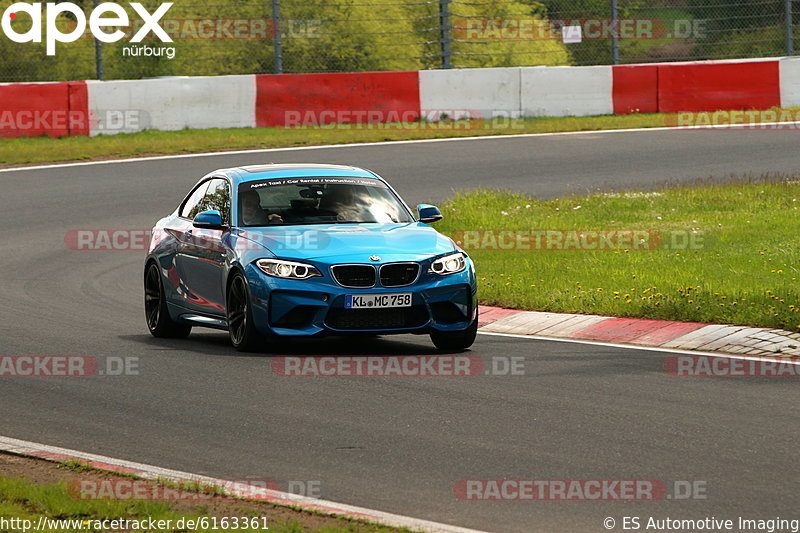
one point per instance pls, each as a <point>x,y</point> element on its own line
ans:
<point>279,268</point>
<point>449,264</point>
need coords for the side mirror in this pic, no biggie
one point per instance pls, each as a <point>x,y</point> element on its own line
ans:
<point>208,220</point>
<point>428,213</point>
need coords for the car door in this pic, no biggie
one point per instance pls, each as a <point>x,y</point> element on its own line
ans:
<point>201,254</point>
<point>178,230</point>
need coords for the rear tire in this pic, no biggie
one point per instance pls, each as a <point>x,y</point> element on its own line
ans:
<point>455,341</point>
<point>242,329</point>
<point>156,313</point>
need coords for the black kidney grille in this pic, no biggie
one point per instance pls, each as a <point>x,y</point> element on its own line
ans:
<point>354,275</point>
<point>399,274</point>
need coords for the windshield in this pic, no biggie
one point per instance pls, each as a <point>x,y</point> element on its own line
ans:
<point>290,201</point>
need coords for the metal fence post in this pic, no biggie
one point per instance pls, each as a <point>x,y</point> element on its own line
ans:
<point>444,33</point>
<point>789,32</point>
<point>276,36</point>
<point>98,51</point>
<point>614,33</point>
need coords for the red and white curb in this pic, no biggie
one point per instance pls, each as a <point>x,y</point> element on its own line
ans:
<point>53,453</point>
<point>669,335</point>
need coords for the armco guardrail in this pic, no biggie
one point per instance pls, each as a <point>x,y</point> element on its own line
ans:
<point>94,108</point>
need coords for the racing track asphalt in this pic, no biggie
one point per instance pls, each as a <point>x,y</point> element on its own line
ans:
<point>394,444</point>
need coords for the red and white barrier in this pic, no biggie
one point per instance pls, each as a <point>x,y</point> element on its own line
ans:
<point>94,108</point>
<point>700,86</point>
<point>36,109</point>
<point>318,99</point>
<point>485,92</point>
<point>566,91</point>
<point>789,74</point>
<point>635,89</point>
<point>172,104</point>
<point>718,86</point>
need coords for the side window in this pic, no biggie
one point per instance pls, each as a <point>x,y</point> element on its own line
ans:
<point>218,196</point>
<point>192,205</point>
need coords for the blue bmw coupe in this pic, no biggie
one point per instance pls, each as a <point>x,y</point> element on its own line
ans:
<point>302,250</point>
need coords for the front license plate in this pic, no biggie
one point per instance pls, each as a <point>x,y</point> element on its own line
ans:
<point>377,301</point>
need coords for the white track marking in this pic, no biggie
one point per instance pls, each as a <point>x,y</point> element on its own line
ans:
<point>647,348</point>
<point>28,448</point>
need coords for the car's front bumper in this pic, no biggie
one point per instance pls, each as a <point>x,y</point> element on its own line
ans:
<point>316,306</point>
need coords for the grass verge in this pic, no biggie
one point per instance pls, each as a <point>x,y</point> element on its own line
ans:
<point>32,488</point>
<point>44,149</point>
<point>724,253</point>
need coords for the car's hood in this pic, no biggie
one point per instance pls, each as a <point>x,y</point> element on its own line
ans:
<point>352,242</point>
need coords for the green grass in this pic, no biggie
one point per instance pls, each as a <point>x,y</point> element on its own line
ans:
<point>25,500</point>
<point>45,149</point>
<point>744,272</point>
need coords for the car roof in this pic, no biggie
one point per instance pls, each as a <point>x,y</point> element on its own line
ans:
<point>293,170</point>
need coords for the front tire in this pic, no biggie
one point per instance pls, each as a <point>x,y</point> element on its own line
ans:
<point>242,329</point>
<point>156,313</point>
<point>455,341</point>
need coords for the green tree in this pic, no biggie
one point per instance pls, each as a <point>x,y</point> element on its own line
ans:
<point>529,42</point>
<point>327,36</point>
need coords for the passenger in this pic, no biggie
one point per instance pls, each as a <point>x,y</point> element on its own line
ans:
<point>252,214</point>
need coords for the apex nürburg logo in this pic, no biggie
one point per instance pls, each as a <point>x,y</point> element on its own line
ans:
<point>103,19</point>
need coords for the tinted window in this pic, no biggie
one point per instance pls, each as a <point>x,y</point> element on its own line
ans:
<point>319,201</point>
<point>191,206</point>
<point>218,197</point>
